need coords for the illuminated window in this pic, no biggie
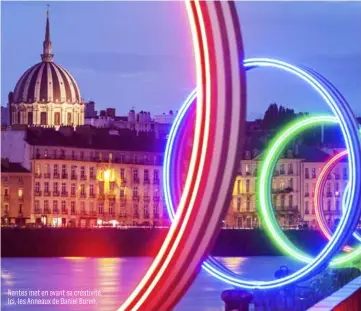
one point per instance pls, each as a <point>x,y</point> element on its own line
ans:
<point>38,169</point>
<point>20,193</point>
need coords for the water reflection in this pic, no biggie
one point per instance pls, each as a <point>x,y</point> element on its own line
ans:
<point>116,277</point>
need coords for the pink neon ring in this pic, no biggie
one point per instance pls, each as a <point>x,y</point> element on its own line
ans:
<point>320,184</point>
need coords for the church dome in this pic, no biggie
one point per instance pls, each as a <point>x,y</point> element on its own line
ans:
<point>46,81</point>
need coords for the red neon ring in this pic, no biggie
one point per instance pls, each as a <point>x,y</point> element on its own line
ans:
<point>318,198</point>
<point>220,121</point>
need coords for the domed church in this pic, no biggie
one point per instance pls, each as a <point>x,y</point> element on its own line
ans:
<point>46,94</point>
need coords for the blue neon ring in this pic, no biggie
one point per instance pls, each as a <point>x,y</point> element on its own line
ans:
<point>347,222</point>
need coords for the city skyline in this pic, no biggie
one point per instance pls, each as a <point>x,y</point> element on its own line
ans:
<point>109,69</point>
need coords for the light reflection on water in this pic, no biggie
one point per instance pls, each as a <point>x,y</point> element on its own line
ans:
<point>116,277</point>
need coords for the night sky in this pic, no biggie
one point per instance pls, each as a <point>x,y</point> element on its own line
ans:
<point>139,54</point>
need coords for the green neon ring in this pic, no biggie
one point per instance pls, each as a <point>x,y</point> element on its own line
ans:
<point>264,184</point>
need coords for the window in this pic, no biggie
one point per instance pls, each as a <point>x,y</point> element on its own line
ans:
<point>37,205</point>
<point>122,158</point>
<point>307,174</point>
<point>91,207</point>
<point>328,188</point>
<point>290,201</point>
<point>63,206</point>
<point>43,118</point>
<point>135,174</point>
<point>37,187</point>
<point>112,185</point>
<point>57,118</point>
<point>55,187</point>
<point>329,205</point>
<point>282,184</point>
<point>135,211</point>
<point>63,170</point>
<point>81,155</point>
<point>91,172</point>
<point>146,175</point>
<point>146,211</point>
<point>122,173</point>
<point>238,186</point>
<point>55,153</point>
<point>72,189</point>
<point>282,201</point>
<point>73,170</point>
<point>69,119</point>
<point>82,207</point>
<point>91,190</point>
<point>337,203</point>
<point>6,192</point>
<point>63,187</point>
<point>72,207</point>
<point>155,210</point>
<point>82,190</point>
<point>337,187</point>
<point>110,157</point>
<point>73,156</point>
<point>248,205</point>
<point>30,118</point>
<point>56,172</point>
<point>122,194</point>
<point>290,168</point>
<point>290,183</point>
<point>46,205</point>
<point>101,208</point>
<point>46,153</point>
<point>82,171</point>
<point>55,206</point>
<point>135,192</point>
<point>247,185</point>
<point>307,211</point>
<point>111,208</point>
<point>38,169</point>
<point>47,168</point>
<point>307,190</point>
<point>248,171</point>
<point>20,193</point>
<point>282,169</point>
<point>156,175</point>
<point>238,205</point>
<point>313,173</point>
<point>46,186</point>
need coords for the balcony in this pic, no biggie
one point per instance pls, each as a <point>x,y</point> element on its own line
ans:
<point>56,211</point>
<point>56,175</point>
<point>37,175</point>
<point>111,214</point>
<point>73,212</point>
<point>73,177</point>
<point>123,215</point>
<point>92,195</point>
<point>64,176</point>
<point>156,181</point>
<point>92,177</point>
<point>82,195</point>
<point>72,194</point>
<point>37,193</point>
<point>290,172</point>
<point>93,213</point>
<point>136,180</point>
<point>47,175</point>
<point>83,213</point>
<point>47,211</point>
<point>56,194</point>
<point>64,211</point>
<point>46,193</point>
<point>38,211</point>
<point>83,177</point>
<point>156,199</point>
<point>146,198</point>
<point>64,193</point>
<point>282,172</point>
<point>146,181</point>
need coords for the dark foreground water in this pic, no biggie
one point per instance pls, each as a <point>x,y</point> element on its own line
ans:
<point>60,279</point>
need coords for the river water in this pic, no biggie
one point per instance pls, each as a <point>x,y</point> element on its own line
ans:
<point>114,278</point>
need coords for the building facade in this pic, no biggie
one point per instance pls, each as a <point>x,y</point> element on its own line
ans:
<point>16,193</point>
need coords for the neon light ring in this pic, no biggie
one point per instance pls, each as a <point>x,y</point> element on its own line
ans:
<point>220,79</point>
<point>318,198</point>
<point>171,185</point>
<point>265,181</point>
<point>219,56</point>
